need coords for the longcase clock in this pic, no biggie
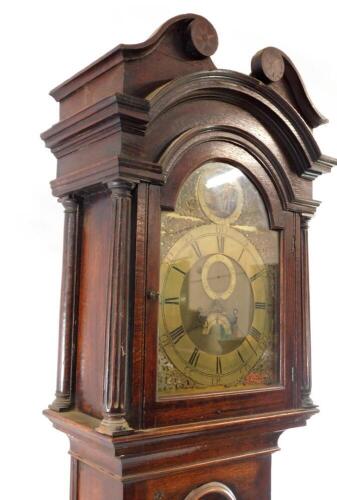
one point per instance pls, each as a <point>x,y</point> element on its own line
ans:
<point>184,343</point>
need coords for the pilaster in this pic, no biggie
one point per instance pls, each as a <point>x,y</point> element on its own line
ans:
<point>116,354</point>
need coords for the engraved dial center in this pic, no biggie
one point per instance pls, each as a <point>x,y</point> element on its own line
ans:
<point>211,309</point>
<point>218,277</point>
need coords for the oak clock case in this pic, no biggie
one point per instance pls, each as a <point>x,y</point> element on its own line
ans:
<point>184,340</point>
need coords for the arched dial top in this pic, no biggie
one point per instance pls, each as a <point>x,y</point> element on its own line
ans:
<point>218,281</point>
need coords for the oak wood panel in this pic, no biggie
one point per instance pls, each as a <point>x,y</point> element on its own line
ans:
<point>249,480</point>
<point>95,485</point>
<point>140,292</point>
<point>92,303</point>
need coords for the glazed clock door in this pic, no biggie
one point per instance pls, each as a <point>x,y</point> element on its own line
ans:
<point>219,279</point>
<point>218,333</point>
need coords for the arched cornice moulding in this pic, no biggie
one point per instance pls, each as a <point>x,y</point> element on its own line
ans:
<point>248,93</point>
<point>238,148</point>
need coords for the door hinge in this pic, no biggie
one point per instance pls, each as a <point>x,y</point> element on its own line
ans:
<point>293,374</point>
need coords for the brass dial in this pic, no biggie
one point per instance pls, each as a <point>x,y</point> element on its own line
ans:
<point>210,283</point>
<point>214,316</point>
<point>218,277</point>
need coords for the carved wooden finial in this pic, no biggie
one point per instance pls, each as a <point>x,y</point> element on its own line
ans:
<point>268,65</point>
<point>203,39</point>
<point>275,68</point>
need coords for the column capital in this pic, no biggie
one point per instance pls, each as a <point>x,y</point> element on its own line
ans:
<point>305,219</point>
<point>69,203</point>
<point>120,187</point>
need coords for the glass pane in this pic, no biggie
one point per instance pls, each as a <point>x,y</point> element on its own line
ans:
<point>219,281</point>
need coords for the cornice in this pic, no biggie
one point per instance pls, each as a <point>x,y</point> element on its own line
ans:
<point>324,164</point>
<point>261,100</point>
<point>95,176</point>
<point>118,113</point>
<point>199,39</point>
<point>249,142</point>
<point>130,115</point>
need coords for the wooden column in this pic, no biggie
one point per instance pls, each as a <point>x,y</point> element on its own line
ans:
<point>118,312</point>
<point>306,400</point>
<point>66,345</point>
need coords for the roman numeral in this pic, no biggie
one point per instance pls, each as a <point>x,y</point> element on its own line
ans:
<point>218,365</point>
<point>220,236</point>
<point>258,275</point>
<point>178,270</point>
<point>255,334</point>
<point>240,356</point>
<point>172,300</point>
<point>260,305</point>
<point>195,246</point>
<point>250,345</point>
<point>193,361</point>
<point>177,334</point>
